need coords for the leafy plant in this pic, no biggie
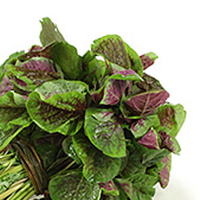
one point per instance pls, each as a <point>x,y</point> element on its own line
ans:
<point>102,128</point>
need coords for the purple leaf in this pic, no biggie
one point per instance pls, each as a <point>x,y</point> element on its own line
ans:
<point>37,51</point>
<point>145,103</point>
<point>30,74</point>
<point>97,95</point>
<point>113,91</point>
<point>35,48</point>
<point>150,140</point>
<point>149,83</point>
<point>39,64</point>
<point>116,86</point>
<point>120,70</point>
<point>165,173</point>
<point>5,86</point>
<point>148,59</point>
<point>169,142</point>
<point>109,188</point>
<point>166,115</point>
<point>127,72</point>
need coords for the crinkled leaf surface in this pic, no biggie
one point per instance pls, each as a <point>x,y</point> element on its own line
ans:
<point>116,51</point>
<point>57,106</point>
<point>107,136</point>
<point>143,104</point>
<point>73,186</point>
<point>60,113</point>
<point>66,56</point>
<point>141,126</point>
<point>32,73</point>
<point>97,166</point>
<point>50,32</point>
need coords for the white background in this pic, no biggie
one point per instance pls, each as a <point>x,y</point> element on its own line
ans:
<point>168,28</point>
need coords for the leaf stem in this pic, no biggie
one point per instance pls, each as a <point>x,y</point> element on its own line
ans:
<point>65,169</point>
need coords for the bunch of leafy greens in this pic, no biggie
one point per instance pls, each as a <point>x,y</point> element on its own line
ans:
<point>103,125</point>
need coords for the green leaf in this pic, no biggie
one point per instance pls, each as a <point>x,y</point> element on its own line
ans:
<point>69,149</point>
<point>61,86</point>
<point>7,136</point>
<point>13,117</point>
<point>73,186</point>
<point>149,157</point>
<point>134,165</point>
<point>11,60</point>
<point>112,48</point>
<point>105,132</point>
<point>50,32</point>
<point>60,113</point>
<point>140,127</point>
<point>57,106</point>
<point>97,166</point>
<point>140,187</point>
<point>152,156</point>
<point>66,56</point>
<point>171,118</point>
<point>93,71</point>
<point>13,111</point>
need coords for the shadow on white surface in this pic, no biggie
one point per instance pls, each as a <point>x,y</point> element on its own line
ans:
<point>176,190</point>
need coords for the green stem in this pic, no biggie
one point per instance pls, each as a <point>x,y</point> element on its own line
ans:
<point>26,193</point>
<point>10,191</point>
<point>12,170</point>
<point>26,186</point>
<point>29,195</point>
